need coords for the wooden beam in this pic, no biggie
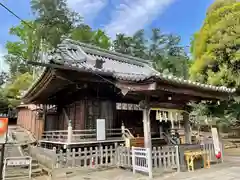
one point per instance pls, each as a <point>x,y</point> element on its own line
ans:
<point>152,88</point>
<point>168,105</point>
<point>137,86</point>
<point>77,76</point>
<point>192,92</point>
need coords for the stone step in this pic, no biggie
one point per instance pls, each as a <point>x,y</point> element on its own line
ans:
<point>12,150</point>
<point>20,172</point>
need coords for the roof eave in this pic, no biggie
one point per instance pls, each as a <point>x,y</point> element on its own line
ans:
<point>38,83</point>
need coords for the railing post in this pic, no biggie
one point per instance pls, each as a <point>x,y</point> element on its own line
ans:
<point>222,149</point>
<point>69,137</point>
<point>116,158</point>
<point>123,129</point>
<point>181,150</point>
<point>133,160</point>
<point>177,158</point>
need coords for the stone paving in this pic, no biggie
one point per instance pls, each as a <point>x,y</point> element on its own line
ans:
<point>229,170</point>
<point>223,172</point>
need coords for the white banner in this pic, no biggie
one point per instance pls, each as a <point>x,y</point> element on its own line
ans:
<point>216,141</point>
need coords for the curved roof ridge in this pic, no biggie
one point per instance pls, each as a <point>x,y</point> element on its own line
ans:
<point>128,58</point>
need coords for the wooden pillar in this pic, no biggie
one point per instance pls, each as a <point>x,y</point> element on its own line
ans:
<point>147,128</point>
<point>147,134</point>
<point>187,128</point>
<point>146,123</point>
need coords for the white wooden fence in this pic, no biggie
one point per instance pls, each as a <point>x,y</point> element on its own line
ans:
<point>87,157</point>
<point>141,160</point>
<point>162,157</point>
<point>166,157</point>
<point>210,149</point>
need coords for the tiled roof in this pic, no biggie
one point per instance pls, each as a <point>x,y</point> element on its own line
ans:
<point>83,56</point>
<point>123,67</point>
<point>120,66</point>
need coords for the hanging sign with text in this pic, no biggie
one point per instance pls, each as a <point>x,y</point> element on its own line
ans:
<point>3,130</point>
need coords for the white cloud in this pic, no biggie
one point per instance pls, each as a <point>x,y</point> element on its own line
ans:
<point>3,65</point>
<point>133,15</point>
<point>88,9</point>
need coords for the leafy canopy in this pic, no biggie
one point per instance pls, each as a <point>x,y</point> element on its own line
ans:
<point>162,49</point>
<point>215,47</point>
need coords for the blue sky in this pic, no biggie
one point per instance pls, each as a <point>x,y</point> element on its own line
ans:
<point>182,17</point>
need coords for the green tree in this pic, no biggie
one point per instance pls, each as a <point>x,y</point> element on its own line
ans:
<point>215,48</point>
<point>14,89</point>
<point>82,33</point>
<point>25,48</point>
<point>122,44</point>
<point>3,78</point>
<point>138,45</point>
<point>163,50</point>
<point>54,20</point>
<point>3,99</point>
<point>174,58</point>
<point>100,39</point>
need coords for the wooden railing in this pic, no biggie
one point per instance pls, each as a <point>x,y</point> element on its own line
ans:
<point>85,135</point>
<point>59,135</point>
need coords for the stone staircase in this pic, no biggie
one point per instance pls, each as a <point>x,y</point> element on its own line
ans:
<point>12,150</point>
<point>16,138</point>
